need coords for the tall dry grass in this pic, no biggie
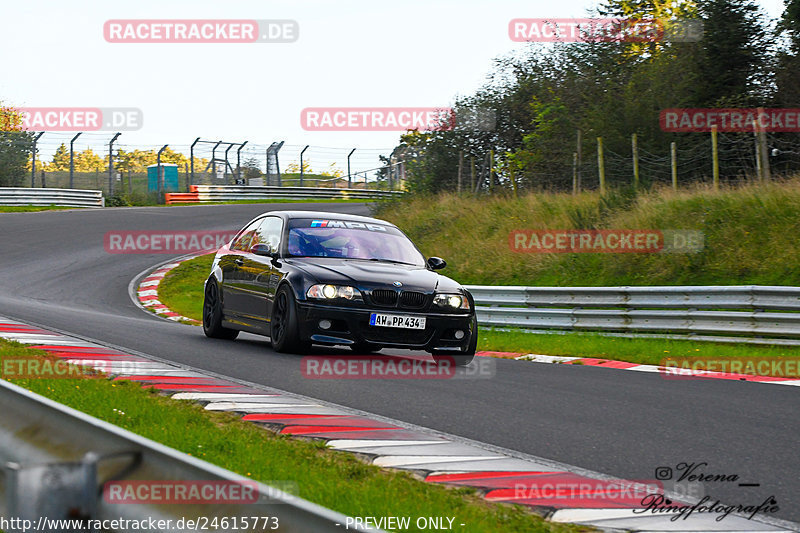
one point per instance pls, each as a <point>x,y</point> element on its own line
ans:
<point>752,235</point>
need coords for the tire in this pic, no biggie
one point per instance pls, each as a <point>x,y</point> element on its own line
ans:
<point>212,313</point>
<point>464,358</point>
<point>364,348</point>
<point>284,329</point>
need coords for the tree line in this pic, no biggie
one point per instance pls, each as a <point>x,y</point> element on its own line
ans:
<point>552,101</point>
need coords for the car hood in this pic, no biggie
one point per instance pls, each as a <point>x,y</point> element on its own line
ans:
<point>367,274</point>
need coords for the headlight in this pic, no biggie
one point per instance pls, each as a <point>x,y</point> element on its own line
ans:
<point>329,292</point>
<point>451,301</point>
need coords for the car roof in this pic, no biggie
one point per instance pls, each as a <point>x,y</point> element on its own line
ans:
<point>327,215</point>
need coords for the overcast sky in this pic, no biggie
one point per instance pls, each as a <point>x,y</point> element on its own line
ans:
<point>413,53</point>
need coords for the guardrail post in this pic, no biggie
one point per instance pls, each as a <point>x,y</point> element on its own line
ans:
<point>55,490</point>
<point>111,164</point>
<point>72,160</point>
<point>33,160</point>
<point>349,178</point>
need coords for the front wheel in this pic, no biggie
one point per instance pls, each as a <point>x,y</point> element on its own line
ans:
<point>284,328</point>
<point>212,314</point>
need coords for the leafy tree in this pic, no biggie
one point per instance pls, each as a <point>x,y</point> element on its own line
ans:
<point>15,147</point>
<point>734,53</point>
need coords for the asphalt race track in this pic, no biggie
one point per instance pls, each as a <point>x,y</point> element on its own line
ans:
<point>55,272</point>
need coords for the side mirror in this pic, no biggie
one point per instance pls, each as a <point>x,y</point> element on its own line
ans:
<point>264,249</point>
<point>436,263</point>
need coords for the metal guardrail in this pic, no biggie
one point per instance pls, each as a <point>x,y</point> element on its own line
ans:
<point>53,457</point>
<point>16,196</point>
<point>229,193</point>
<point>742,311</point>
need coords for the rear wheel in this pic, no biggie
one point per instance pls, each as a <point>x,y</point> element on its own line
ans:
<point>284,329</point>
<point>212,313</point>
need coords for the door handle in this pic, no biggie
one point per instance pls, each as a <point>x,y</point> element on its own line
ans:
<point>238,261</point>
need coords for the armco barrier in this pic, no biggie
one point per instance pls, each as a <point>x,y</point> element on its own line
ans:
<point>230,193</point>
<point>55,459</point>
<point>16,196</point>
<point>745,313</point>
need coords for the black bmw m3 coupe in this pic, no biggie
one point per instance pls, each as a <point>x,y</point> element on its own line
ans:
<point>306,278</point>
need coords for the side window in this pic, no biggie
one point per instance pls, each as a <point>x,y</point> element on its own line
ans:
<point>246,238</point>
<point>270,232</point>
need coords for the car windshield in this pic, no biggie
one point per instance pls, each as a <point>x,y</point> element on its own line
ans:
<point>351,240</point>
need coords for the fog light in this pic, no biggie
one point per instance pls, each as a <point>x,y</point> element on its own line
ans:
<point>458,334</point>
<point>325,324</point>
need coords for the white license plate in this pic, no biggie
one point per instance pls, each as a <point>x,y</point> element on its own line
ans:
<point>396,321</point>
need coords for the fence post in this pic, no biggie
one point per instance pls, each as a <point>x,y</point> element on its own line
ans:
<point>601,169</point>
<point>579,152</point>
<point>301,165</point>
<point>762,138</point>
<point>460,168</point>
<point>349,177</point>
<point>759,172</point>
<point>72,160</point>
<point>239,180</point>
<point>472,173</point>
<point>33,160</point>
<point>191,161</point>
<point>635,151</point>
<point>574,172</point>
<point>513,180</point>
<point>673,160</point>
<point>160,175</point>
<point>715,157</point>
<point>111,164</point>
<point>491,171</point>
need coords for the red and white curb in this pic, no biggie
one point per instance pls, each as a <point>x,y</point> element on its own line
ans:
<point>666,372</point>
<point>438,458</point>
<point>147,293</point>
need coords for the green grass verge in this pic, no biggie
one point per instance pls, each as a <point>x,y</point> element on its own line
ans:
<point>750,236</point>
<point>336,480</point>
<point>32,208</point>
<point>642,351</point>
<point>182,288</point>
<point>182,291</point>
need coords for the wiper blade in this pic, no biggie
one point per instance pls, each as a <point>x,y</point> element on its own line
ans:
<point>384,260</point>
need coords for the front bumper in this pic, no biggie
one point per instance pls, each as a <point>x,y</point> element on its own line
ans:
<point>351,326</point>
